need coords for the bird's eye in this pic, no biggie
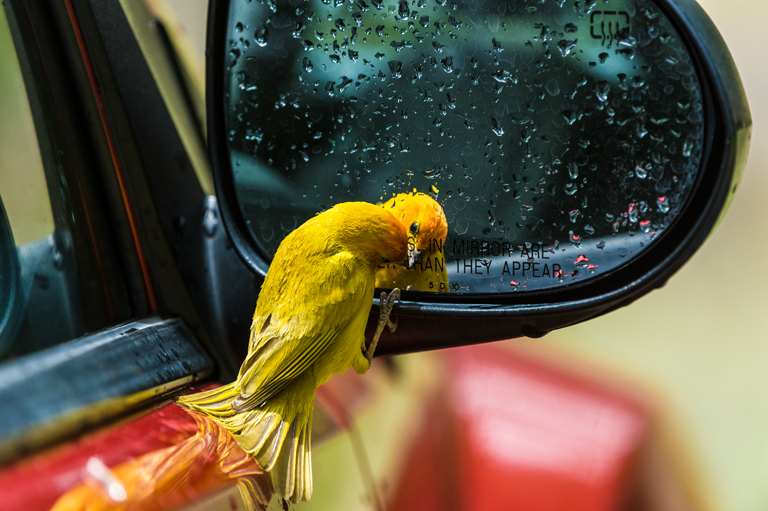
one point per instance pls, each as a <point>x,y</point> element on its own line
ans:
<point>414,227</point>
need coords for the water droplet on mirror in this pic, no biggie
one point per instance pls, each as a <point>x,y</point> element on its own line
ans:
<point>504,76</point>
<point>402,9</point>
<point>395,67</point>
<point>574,238</point>
<point>687,148</point>
<point>498,130</point>
<point>602,89</point>
<point>566,46</point>
<point>662,203</point>
<point>600,244</point>
<point>308,66</point>
<point>573,170</point>
<point>261,36</point>
<point>632,212</point>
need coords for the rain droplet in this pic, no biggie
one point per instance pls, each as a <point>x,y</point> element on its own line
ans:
<point>395,67</point>
<point>402,9</point>
<point>662,203</point>
<point>573,170</point>
<point>581,260</point>
<point>497,127</point>
<point>261,35</point>
<point>308,66</point>
<point>632,212</point>
<point>687,148</point>
<point>566,46</point>
<point>570,116</point>
<point>602,89</point>
<point>503,76</point>
<point>575,238</point>
<point>447,63</point>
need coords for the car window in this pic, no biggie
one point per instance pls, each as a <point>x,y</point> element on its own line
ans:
<point>39,299</point>
<point>561,138</point>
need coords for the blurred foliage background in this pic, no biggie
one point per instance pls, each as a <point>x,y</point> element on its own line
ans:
<point>699,346</point>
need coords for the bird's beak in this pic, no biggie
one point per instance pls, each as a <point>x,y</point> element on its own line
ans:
<point>414,256</point>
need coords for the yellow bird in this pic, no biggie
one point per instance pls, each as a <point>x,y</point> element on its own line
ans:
<point>309,324</point>
<point>427,230</point>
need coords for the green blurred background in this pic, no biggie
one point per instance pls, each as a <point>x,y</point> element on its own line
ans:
<point>697,346</point>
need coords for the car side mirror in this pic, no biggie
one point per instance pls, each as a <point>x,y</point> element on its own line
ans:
<point>582,151</point>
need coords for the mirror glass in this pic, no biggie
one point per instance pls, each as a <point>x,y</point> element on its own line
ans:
<point>560,137</point>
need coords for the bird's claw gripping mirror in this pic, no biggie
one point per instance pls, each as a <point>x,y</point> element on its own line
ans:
<point>582,151</point>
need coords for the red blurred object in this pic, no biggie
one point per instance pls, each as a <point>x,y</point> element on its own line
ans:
<point>175,456</point>
<point>522,434</point>
<point>507,430</point>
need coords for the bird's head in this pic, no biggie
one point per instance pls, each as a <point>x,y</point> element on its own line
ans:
<point>424,221</point>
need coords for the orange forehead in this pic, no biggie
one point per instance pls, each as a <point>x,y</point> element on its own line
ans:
<point>421,208</point>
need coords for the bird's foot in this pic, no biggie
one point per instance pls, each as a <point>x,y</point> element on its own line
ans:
<point>386,302</point>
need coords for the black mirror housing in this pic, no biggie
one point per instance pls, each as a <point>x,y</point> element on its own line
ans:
<point>438,320</point>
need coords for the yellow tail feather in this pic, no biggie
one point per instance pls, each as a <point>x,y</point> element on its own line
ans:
<point>277,434</point>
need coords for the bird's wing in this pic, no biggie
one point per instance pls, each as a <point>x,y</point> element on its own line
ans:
<point>300,325</point>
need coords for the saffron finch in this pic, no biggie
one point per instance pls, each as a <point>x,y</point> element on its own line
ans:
<point>427,230</point>
<point>309,325</point>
